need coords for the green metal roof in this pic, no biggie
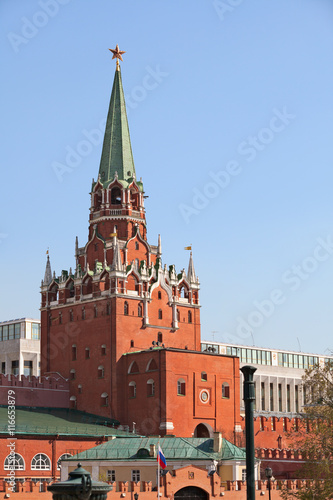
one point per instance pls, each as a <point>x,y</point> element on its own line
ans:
<point>173,448</point>
<point>117,150</point>
<point>71,424</point>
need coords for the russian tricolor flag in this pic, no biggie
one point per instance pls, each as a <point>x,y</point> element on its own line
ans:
<point>161,458</point>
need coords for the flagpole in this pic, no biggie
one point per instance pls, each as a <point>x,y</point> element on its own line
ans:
<point>158,471</point>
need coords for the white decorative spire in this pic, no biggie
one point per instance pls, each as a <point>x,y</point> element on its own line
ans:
<point>191,278</point>
<point>159,246</point>
<point>116,263</point>
<point>48,272</point>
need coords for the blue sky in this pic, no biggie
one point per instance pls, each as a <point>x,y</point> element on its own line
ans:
<point>230,108</point>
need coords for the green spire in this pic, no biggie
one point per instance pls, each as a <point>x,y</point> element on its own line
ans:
<point>117,151</point>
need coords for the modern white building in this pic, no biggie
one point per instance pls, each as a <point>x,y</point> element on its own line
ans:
<point>278,379</point>
<point>20,347</point>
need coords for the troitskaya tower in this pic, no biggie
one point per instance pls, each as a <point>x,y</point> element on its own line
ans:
<point>120,298</point>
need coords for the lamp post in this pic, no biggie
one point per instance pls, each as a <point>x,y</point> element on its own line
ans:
<point>269,474</point>
<point>249,398</point>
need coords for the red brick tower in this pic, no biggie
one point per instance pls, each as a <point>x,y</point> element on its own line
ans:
<point>119,299</point>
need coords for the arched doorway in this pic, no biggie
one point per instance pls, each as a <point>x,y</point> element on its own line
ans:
<point>191,493</point>
<point>203,431</point>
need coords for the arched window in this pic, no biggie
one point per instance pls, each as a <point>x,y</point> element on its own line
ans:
<point>115,196</point>
<point>95,311</point>
<point>126,308</point>
<point>15,462</point>
<point>70,288</point>
<point>73,374</point>
<point>136,245</point>
<point>160,314</point>
<point>132,343</point>
<point>204,376</point>
<point>79,387</point>
<point>150,387</point>
<point>72,400</point>
<point>74,352</point>
<point>133,368</point>
<point>151,366</point>
<point>40,462</point>
<point>104,399</point>
<point>101,371</point>
<point>225,390</point>
<point>62,457</point>
<point>71,317</point>
<point>53,293</point>
<point>132,389</point>
<point>87,286</point>
<point>189,316</point>
<point>181,387</point>
<point>87,353</point>
<point>159,295</point>
<point>140,310</point>
<point>159,337</point>
<point>103,350</point>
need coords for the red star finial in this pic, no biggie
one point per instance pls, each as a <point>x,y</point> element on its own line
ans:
<point>117,53</point>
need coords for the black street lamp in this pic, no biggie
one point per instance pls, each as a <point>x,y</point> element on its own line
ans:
<point>136,496</point>
<point>79,486</point>
<point>249,398</point>
<point>269,474</point>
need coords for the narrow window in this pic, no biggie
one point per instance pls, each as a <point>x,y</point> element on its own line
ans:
<point>74,352</point>
<point>136,245</point>
<point>140,310</point>
<point>271,399</point>
<point>204,376</point>
<point>150,388</point>
<point>132,389</point>
<point>104,399</point>
<point>159,295</point>
<point>95,312</point>
<point>181,387</point>
<point>71,315</point>
<point>263,396</point>
<point>108,309</point>
<point>73,374</point>
<point>103,350</point>
<point>280,396</point>
<point>189,316</point>
<point>60,318</point>
<point>160,314</point>
<point>79,388</point>
<point>296,399</point>
<point>159,337</point>
<point>100,372</point>
<point>83,313</point>
<point>87,353</point>
<point>288,398</point>
<point>225,390</point>
<point>273,423</point>
<point>126,308</point>
<point>132,343</point>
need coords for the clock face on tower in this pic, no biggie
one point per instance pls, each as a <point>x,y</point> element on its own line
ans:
<point>204,396</point>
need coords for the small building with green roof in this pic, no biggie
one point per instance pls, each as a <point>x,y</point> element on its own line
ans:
<point>132,460</point>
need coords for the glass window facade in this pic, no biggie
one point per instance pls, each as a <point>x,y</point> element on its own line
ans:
<point>35,331</point>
